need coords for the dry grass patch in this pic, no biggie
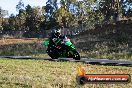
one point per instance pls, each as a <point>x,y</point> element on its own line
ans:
<point>17,41</point>
<point>48,74</point>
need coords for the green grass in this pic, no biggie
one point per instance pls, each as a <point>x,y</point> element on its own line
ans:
<point>48,74</point>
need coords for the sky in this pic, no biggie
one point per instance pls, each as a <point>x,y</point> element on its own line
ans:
<point>10,5</point>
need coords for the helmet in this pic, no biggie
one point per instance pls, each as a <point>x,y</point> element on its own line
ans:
<point>56,31</point>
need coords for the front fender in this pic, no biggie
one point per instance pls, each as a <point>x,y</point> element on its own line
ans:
<point>46,42</point>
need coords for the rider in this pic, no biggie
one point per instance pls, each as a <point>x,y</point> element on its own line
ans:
<point>56,32</point>
<point>56,37</point>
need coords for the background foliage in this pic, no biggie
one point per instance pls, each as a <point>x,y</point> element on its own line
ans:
<point>71,14</point>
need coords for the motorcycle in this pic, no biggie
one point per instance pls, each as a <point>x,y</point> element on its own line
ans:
<point>61,48</point>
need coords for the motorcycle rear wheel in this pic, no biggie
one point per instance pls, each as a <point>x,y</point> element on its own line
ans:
<point>53,55</point>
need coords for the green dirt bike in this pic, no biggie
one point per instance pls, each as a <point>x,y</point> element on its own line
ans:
<point>61,48</point>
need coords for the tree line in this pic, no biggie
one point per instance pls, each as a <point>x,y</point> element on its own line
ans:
<point>33,21</point>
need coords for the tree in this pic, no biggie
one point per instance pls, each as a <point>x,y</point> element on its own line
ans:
<point>20,6</point>
<point>20,21</point>
<point>12,22</point>
<point>3,13</point>
<point>50,8</point>
<point>127,8</point>
<point>33,21</point>
<point>115,8</point>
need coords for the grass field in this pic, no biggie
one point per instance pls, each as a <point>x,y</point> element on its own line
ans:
<point>31,47</point>
<point>21,47</point>
<point>48,74</point>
